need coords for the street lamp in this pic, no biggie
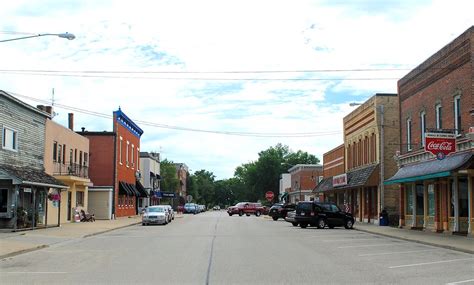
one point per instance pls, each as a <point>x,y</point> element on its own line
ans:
<point>62,35</point>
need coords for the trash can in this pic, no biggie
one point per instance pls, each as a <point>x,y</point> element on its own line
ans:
<point>383,221</point>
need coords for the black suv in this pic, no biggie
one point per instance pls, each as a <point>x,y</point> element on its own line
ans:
<point>280,210</point>
<point>322,215</point>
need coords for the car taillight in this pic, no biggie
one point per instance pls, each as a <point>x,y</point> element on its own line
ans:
<point>312,213</point>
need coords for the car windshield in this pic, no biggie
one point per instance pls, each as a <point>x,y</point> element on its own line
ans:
<point>305,206</point>
<point>155,210</point>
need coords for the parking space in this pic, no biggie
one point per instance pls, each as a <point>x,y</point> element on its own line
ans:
<point>390,259</point>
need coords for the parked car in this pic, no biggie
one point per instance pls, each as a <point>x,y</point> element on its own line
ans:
<point>290,218</point>
<point>190,208</point>
<point>170,211</point>
<point>216,208</point>
<point>279,210</point>
<point>247,208</point>
<point>322,215</point>
<point>155,215</point>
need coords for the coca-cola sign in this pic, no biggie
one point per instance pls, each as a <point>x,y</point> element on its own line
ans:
<point>438,143</point>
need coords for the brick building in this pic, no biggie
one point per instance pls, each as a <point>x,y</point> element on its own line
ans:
<point>115,162</point>
<point>304,178</point>
<point>437,98</point>
<point>355,171</point>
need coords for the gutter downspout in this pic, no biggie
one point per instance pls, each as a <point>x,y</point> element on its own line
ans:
<point>115,174</point>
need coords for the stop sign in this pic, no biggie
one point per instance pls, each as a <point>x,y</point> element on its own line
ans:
<point>269,195</point>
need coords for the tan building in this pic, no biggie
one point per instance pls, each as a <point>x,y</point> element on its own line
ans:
<point>371,140</point>
<point>66,158</point>
<point>354,172</point>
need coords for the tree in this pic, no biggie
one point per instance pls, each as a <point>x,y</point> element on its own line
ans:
<point>169,176</point>
<point>264,174</point>
<point>204,183</point>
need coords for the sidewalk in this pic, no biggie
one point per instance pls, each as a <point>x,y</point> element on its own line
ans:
<point>14,243</point>
<point>449,241</point>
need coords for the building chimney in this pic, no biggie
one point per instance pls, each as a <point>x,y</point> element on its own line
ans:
<point>41,107</point>
<point>71,121</point>
<point>49,110</point>
<point>83,129</point>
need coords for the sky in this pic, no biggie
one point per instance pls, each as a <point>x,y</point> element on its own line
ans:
<point>212,83</point>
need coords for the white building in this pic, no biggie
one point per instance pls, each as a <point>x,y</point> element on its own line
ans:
<point>150,178</point>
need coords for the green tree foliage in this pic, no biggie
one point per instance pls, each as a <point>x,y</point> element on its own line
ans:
<point>204,183</point>
<point>251,180</point>
<point>169,176</point>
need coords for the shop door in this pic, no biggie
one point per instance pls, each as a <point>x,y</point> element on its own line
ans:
<point>69,201</point>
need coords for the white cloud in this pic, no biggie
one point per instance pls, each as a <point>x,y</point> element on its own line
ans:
<point>217,35</point>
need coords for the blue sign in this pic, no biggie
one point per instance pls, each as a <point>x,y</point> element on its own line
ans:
<point>440,155</point>
<point>160,194</point>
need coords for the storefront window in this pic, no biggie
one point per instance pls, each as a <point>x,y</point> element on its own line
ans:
<point>463,201</point>
<point>419,200</point>
<point>409,199</point>
<point>431,202</point>
<point>3,200</point>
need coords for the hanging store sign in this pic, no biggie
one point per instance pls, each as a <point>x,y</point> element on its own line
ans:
<point>440,144</point>
<point>339,180</point>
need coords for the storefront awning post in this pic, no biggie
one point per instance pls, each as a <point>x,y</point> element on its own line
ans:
<point>15,207</point>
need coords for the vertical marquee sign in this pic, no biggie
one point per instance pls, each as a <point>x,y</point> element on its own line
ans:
<point>440,144</point>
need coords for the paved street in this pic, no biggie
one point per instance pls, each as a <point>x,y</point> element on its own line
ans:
<point>213,248</point>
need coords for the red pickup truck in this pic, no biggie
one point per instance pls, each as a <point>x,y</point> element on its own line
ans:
<point>246,208</point>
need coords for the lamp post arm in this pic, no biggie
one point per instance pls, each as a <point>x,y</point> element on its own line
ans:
<point>65,36</point>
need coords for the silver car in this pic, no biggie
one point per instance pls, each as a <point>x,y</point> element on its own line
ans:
<point>155,215</point>
<point>170,211</point>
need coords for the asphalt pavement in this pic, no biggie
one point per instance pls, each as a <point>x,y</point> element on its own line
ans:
<point>213,248</point>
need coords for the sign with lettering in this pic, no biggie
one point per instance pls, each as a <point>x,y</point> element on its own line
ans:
<point>339,180</point>
<point>440,144</point>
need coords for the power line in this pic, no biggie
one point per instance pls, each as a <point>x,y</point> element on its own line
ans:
<point>219,71</point>
<point>197,78</point>
<point>178,128</point>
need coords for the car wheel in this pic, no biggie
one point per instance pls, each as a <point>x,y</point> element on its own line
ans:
<point>294,224</point>
<point>241,213</point>
<point>275,218</point>
<point>230,214</point>
<point>303,226</point>
<point>143,224</point>
<point>348,224</point>
<point>321,223</point>
<point>258,213</point>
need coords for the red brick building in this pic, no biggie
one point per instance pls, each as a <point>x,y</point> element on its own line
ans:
<point>436,99</point>
<point>304,178</point>
<point>115,161</point>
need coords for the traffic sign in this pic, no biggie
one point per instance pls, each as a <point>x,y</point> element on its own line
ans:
<point>269,195</point>
<point>189,198</point>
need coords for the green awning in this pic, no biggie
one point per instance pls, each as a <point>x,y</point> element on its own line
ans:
<point>432,168</point>
<point>417,178</point>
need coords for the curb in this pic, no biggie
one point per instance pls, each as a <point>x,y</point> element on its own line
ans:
<point>109,230</point>
<point>418,241</point>
<point>11,254</point>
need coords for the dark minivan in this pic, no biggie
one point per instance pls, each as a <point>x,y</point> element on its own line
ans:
<point>322,215</point>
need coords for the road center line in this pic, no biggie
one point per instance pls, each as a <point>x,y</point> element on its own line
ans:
<point>208,274</point>
<point>460,282</point>
<point>40,272</point>
<point>396,252</point>
<point>365,245</point>
<point>428,263</point>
